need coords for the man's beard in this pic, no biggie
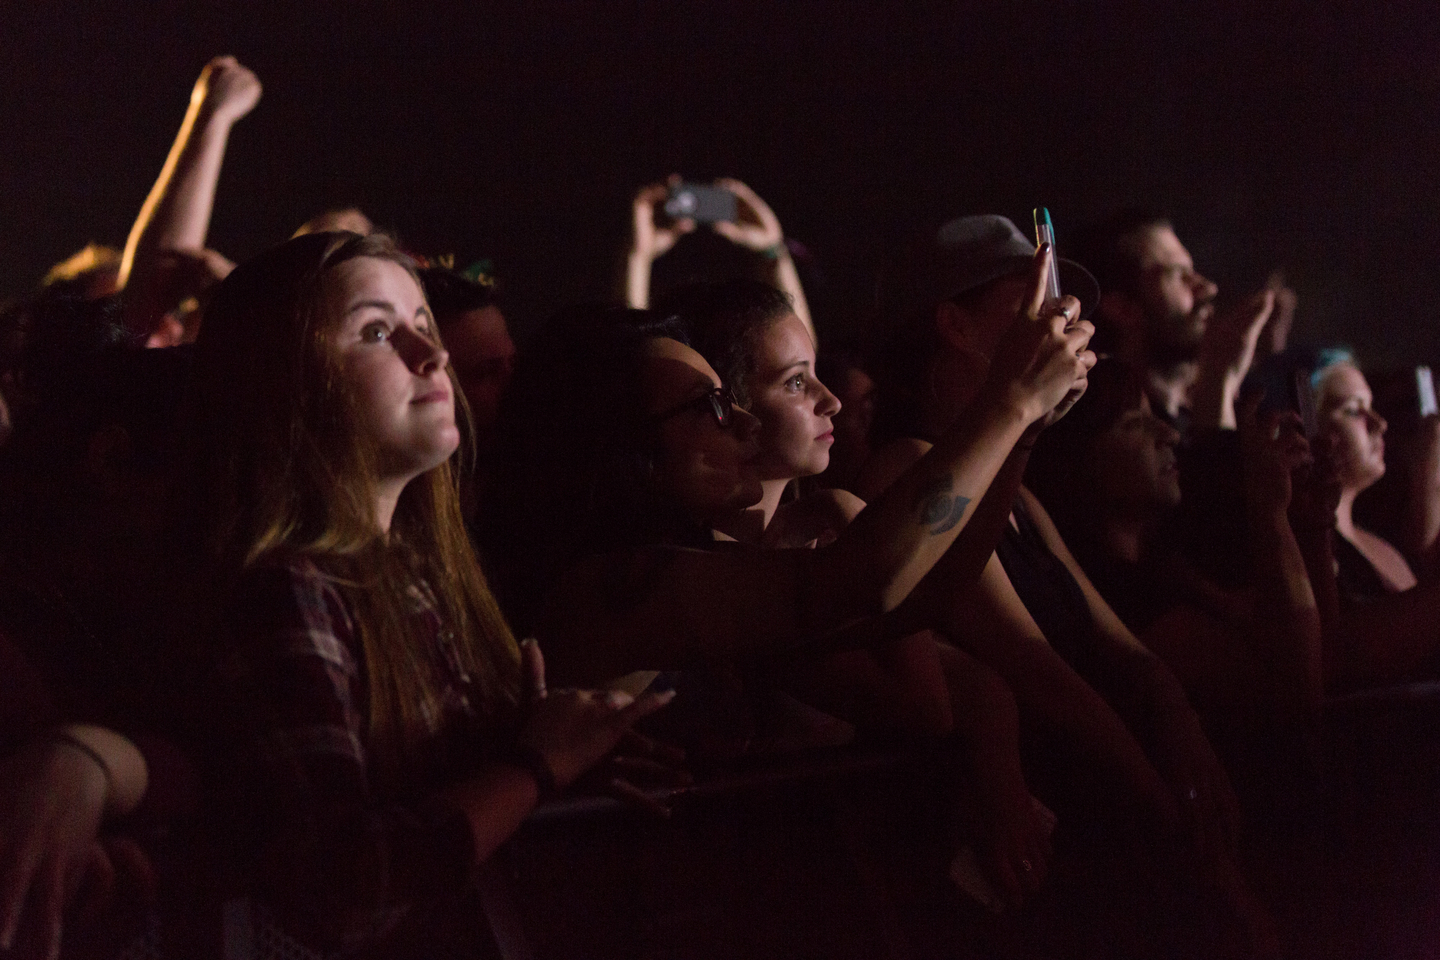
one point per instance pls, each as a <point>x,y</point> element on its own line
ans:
<point>1176,339</point>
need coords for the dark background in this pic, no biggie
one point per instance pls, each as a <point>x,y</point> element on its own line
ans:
<point>1285,133</point>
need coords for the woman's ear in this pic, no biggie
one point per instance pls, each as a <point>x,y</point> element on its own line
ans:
<point>108,458</point>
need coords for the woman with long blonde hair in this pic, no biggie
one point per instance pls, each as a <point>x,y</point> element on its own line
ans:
<point>390,733</point>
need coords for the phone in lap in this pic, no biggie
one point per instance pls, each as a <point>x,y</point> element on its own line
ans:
<point>700,202</point>
<point>1045,233</point>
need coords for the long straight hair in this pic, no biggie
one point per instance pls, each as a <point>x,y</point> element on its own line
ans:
<point>278,471</point>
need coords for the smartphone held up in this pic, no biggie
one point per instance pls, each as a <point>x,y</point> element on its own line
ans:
<point>1045,233</point>
<point>701,203</point>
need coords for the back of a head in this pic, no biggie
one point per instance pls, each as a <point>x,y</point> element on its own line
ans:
<point>573,463</point>
<point>724,321</point>
<point>1111,248</point>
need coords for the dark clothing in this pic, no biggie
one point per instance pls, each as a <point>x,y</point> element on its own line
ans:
<point>343,855</point>
<point>1355,578</point>
<point>1044,584</point>
<point>1137,594</point>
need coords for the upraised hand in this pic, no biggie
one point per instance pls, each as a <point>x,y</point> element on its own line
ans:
<point>1226,352</point>
<point>1273,448</point>
<point>648,239</point>
<point>226,89</point>
<point>756,227</point>
<point>1041,363</point>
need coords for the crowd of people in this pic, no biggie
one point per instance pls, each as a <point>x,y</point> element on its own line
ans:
<point>313,587</point>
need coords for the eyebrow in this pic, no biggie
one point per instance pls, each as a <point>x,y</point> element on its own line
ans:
<point>387,306</point>
<point>363,304</point>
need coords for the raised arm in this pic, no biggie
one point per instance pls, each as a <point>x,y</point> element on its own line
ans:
<point>660,608</point>
<point>649,241</point>
<point>1226,352</point>
<point>176,214</point>
<point>758,229</point>
<point>1287,617</point>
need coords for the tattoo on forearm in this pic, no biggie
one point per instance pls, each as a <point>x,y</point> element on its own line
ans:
<point>937,509</point>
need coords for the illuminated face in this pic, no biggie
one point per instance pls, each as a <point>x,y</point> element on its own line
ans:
<point>483,358</point>
<point>1178,302</point>
<point>793,407</point>
<point>393,365</point>
<point>1357,431</point>
<point>706,468</point>
<point>1134,465</point>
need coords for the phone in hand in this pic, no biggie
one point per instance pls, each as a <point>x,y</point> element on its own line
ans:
<point>1045,233</point>
<point>700,202</point>
<point>1425,390</point>
<point>1303,400</point>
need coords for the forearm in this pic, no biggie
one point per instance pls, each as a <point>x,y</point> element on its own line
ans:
<point>1212,399</point>
<point>944,585</point>
<point>1046,688</point>
<point>176,214</point>
<point>917,520</point>
<point>1287,617</point>
<point>1423,528</point>
<point>637,280</point>
<point>786,278</point>
<point>495,802</point>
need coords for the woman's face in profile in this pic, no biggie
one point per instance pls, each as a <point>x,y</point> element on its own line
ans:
<point>794,408</point>
<point>706,468</point>
<point>1357,431</point>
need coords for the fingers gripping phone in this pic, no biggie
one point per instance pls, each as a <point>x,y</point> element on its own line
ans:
<point>1045,233</point>
<point>700,202</point>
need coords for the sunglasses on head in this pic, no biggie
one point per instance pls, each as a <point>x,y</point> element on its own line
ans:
<point>718,402</point>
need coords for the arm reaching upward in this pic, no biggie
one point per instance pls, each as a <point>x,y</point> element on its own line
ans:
<point>176,214</point>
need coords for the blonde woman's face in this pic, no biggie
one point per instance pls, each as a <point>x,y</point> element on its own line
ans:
<point>1357,431</point>
<point>391,360</point>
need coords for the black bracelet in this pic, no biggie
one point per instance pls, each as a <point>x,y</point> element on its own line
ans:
<point>528,758</point>
<point>70,740</point>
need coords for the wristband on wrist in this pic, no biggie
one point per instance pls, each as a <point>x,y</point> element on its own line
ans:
<point>774,251</point>
<point>69,739</point>
<point>528,758</point>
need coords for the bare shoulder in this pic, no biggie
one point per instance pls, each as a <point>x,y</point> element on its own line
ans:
<point>885,465</point>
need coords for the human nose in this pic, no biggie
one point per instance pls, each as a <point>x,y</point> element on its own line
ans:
<point>827,404</point>
<point>1378,424</point>
<point>1203,287</point>
<point>420,353</point>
